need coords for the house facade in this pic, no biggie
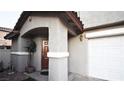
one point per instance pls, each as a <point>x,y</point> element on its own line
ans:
<point>5,47</point>
<point>3,32</point>
<point>80,43</point>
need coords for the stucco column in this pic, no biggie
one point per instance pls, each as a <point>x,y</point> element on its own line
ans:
<point>58,52</point>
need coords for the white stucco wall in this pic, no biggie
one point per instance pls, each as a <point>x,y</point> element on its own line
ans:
<point>78,56</point>
<point>38,21</point>
<point>95,18</point>
<point>58,44</point>
<point>21,43</point>
<point>58,36</point>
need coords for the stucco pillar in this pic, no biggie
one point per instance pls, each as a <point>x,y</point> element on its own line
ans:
<point>58,52</point>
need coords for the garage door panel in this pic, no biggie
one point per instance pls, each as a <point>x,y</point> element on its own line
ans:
<point>106,58</point>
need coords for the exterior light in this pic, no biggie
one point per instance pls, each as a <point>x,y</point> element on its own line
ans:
<point>81,37</point>
<point>30,18</point>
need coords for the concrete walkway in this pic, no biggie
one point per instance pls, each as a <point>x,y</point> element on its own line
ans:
<point>78,77</point>
<point>16,76</point>
<point>37,76</point>
<point>72,77</point>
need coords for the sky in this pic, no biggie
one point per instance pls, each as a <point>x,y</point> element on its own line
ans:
<point>9,18</point>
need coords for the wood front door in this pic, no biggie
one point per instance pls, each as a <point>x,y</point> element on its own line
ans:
<point>45,59</point>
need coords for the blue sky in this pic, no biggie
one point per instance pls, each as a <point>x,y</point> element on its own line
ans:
<point>9,18</point>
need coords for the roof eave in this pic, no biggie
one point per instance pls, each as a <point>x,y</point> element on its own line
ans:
<point>12,35</point>
<point>75,19</point>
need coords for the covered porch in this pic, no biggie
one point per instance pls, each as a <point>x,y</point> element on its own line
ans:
<point>50,31</point>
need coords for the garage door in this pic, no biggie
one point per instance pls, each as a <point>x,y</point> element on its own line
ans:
<point>106,58</point>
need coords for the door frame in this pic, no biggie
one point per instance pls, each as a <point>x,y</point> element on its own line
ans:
<point>42,44</point>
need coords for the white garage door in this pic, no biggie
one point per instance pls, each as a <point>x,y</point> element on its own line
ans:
<point>106,58</point>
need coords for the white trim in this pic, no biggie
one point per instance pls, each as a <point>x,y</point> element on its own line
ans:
<point>19,53</point>
<point>103,33</point>
<point>57,54</point>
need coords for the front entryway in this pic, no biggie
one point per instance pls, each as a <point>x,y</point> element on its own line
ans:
<point>45,59</point>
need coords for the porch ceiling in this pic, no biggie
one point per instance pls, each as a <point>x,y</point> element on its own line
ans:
<point>36,32</point>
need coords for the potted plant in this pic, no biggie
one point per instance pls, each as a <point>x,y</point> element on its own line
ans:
<point>31,49</point>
